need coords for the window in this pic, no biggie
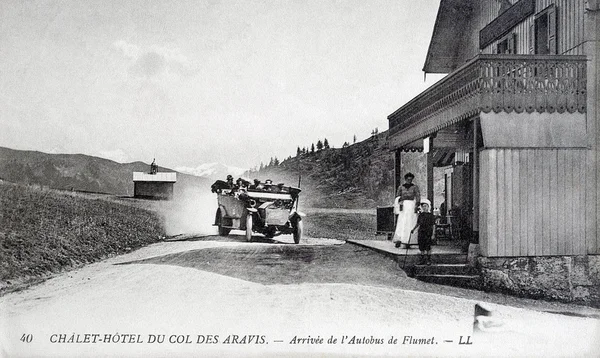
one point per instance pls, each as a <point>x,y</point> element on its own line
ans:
<point>507,45</point>
<point>543,32</point>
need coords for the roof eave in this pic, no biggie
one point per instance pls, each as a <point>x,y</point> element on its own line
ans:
<point>441,34</point>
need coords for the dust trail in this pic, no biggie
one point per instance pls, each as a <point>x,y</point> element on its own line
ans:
<point>192,211</point>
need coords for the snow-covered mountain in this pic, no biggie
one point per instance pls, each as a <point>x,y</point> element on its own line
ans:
<point>213,171</point>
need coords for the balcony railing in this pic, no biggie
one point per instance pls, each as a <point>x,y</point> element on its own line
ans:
<point>509,83</point>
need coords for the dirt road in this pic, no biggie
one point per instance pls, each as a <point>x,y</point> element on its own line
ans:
<point>215,296</point>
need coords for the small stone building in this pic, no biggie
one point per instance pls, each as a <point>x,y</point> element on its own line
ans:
<point>155,185</point>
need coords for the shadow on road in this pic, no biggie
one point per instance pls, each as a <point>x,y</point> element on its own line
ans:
<point>288,264</point>
<point>230,238</point>
<point>279,263</point>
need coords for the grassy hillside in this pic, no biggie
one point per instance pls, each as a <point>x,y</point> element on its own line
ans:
<point>358,176</point>
<point>43,231</point>
<point>76,171</point>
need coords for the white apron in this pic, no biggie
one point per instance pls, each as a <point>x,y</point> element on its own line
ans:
<point>407,219</point>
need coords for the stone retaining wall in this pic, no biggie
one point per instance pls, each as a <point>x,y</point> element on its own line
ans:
<point>564,278</point>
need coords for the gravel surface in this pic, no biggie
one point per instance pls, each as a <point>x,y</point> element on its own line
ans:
<point>277,291</point>
<point>333,261</point>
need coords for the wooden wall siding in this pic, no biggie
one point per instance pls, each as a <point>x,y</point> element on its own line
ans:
<point>593,161</point>
<point>532,202</point>
<point>570,25</point>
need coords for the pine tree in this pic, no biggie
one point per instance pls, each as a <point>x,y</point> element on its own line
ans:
<point>325,144</point>
<point>312,148</point>
<point>275,162</point>
<point>298,152</point>
<point>319,145</point>
<point>355,138</point>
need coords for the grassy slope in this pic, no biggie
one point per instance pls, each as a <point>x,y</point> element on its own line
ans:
<point>44,230</point>
<point>358,176</point>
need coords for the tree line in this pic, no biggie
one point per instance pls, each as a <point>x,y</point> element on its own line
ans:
<point>321,145</point>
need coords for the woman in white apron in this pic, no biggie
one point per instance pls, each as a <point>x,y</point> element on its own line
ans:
<point>407,201</point>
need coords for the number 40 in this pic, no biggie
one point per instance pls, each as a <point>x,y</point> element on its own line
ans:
<point>27,338</point>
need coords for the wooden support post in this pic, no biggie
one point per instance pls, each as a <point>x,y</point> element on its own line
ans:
<point>397,169</point>
<point>430,173</point>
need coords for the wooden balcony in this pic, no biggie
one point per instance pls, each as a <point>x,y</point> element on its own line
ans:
<point>493,83</point>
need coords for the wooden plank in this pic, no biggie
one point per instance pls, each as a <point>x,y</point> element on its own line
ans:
<point>582,217</point>
<point>582,200</point>
<point>563,27</point>
<point>574,21</point>
<point>586,197</point>
<point>553,162</point>
<point>512,237</point>
<point>485,197</point>
<point>508,202</point>
<point>531,201</point>
<point>492,218</point>
<point>537,186</point>
<point>578,25</point>
<point>581,26</point>
<point>523,202</point>
<point>569,202</point>
<point>483,203</point>
<point>501,198</point>
<point>516,206</point>
<point>566,12</point>
<point>573,24</point>
<point>561,199</point>
<point>577,204</point>
<point>548,157</point>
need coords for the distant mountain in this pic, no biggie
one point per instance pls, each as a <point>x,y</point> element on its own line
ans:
<point>213,171</point>
<point>79,172</point>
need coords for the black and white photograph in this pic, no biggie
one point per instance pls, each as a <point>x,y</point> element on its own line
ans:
<point>299,178</point>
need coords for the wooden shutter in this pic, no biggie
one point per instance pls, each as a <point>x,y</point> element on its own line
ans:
<point>552,30</point>
<point>532,37</point>
<point>512,43</point>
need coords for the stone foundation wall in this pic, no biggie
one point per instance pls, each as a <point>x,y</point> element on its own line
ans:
<point>564,278</point>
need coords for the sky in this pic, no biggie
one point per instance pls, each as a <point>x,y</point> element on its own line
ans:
<point>203,81</point>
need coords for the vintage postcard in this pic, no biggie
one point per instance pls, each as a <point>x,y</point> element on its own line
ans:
<point>322,178</point>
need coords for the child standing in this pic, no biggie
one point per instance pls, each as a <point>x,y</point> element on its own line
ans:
<point>426,225</point>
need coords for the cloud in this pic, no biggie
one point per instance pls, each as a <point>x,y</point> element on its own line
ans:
<point>129,50</point>
<point>149,64</point>
<point>154,61</point>
<point>171,55</point>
